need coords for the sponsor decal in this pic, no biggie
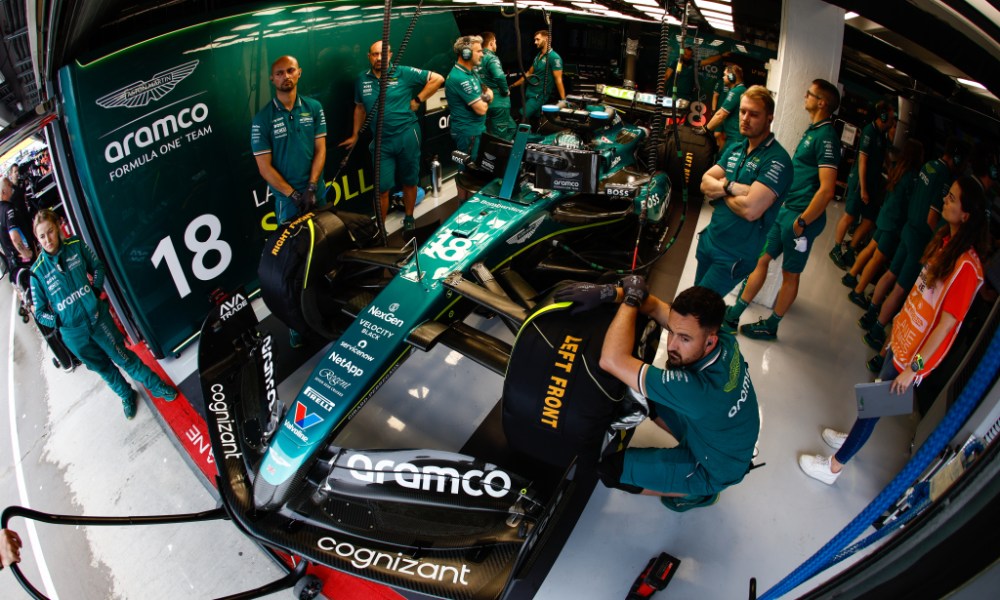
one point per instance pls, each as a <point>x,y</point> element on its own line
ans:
<point>365,558</point>
<point>345,363</point>
<point>270,391</point>
<point>394,307</point>
<point>219,406</point>
<point>305,419</point>
<point>332,381</point>
<point>72,298</point>
<point>142,93</point>
<point>744,394</point>
<point>525,234</point>
<point>436,478</point>
<point>146,136</point>
<point>388,317</point>
<point>232,306</point>
<point>357,350</point>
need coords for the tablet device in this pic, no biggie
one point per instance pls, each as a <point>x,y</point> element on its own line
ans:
<point>878,400</point>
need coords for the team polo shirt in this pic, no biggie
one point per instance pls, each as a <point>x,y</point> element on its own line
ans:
<point>404,85</point>
<point>873,144</point>
<point>463,88</point>
<point>543,66</point>
<point>61,292</point>
<point>929,191</point>
<point>731,125</point>
<point>770,165</point>
<point>683,77</point>
<point>715,402</point>
<point>818,149</point>
<point>492,75</point>
<point>893,211</point>
<point>290,137</point>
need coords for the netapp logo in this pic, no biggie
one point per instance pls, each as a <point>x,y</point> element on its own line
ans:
<point>149,135</point>
<point>474,482</point>
<point>142,93</point>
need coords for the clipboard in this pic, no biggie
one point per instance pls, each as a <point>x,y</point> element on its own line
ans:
<point>878,400</point>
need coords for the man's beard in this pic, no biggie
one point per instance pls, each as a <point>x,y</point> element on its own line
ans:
<point>674,361</point>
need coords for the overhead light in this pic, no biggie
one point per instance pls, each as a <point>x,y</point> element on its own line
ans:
<point>584,5</point>
<point>653,11</point>
<point>285,22</point>
<point>890,66</point>
<point>225,38</point>
<point>716,6</point>
<point>247,26</point>
<point>317,19</point>
<point>270,11</point>
<point>644,2</point>
<point>710,15</point>
<point>307,9</point>
<point>741,48</point>
<point>343,8</point>
<point>721,25</point>
<point>850,15</point>
<point>971,83</point>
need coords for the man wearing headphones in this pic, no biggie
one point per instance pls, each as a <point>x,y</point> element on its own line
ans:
<point>543,76</point>
<point>864,186</point>
<point>468,99</point>
<point>725,122</point>
<point>499,123</point>
<point>703,396</point>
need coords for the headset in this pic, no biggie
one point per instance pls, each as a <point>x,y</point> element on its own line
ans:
<point>730,76</point>
<point>463,46</point>
<point>882,110</point>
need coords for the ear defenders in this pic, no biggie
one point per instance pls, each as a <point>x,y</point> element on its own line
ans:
<point>464,48</point>
<point>731,77</point>
<point>882,109</point>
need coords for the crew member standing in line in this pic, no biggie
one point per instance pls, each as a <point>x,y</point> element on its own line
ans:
<point>802,216</point>
<point>864,186</point>
<point>66,284</point>
<point>499,123</point>
<point>407,89</point>
<point>726,121</point>
<point>543,77</point>
<point>750,180</point>
<point>468,99</point>
<point>288,138</point>
<point>15,244</point>
<point>704,396</point>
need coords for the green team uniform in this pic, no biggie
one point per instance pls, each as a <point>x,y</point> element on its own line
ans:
<point>728,248</point>
<point>893,214</point>
<point>929,190</point>
<point>683,78</point>
<point>818,149</point>
<point>499,123</point>
<point>65,298</point>
<point>539,93</point>
<point>463,88</point>
<point>873,144</point>
<point>289,136</point>
<point>711,408</point>
<point>731,125</point>
<point>400,129</point>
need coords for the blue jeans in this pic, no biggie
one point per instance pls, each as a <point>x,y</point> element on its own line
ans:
<point>863,428</point>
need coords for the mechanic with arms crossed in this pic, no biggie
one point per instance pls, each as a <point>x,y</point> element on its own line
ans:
<point>704,396</point>
<point>66,284</point>
<point>751,180</point>
<point>468,99</point>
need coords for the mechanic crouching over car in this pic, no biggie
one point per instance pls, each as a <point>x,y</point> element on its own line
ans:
<point>704,396</point>
<point>66,282</point>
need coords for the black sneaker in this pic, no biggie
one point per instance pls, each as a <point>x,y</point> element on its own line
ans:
<point>849,280</point>
<point>836,255</point>
<point>875,363</point>
<point>859,299</point>
<point>875,339</point>
<point>759,331</point>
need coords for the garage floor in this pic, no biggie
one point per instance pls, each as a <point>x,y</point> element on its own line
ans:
<point>67,449</point>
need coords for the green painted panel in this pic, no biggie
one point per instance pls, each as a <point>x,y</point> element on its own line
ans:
<point>160,133</point>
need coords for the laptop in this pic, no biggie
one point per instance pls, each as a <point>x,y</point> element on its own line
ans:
<point>878,400</point>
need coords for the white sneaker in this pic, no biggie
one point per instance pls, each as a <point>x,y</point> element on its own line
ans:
<point>833,438</point>
<point>818,467</point>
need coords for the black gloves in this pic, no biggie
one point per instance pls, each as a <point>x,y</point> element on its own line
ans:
<point>304,200</point>
<point>587,296</point>
<point>635,290</point>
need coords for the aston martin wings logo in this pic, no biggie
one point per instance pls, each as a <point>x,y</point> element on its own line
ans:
<point>142,93</point>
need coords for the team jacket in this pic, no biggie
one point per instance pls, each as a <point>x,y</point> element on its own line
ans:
<point>62,293</point>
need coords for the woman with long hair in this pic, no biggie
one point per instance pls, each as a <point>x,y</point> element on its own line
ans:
<point>922,333</point>
<point>890,221</point>
<point>66,284</point>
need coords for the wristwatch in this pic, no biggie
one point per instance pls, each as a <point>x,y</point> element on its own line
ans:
<point>801,223</point>
<point>729,188</point>
<point>917,364</point>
